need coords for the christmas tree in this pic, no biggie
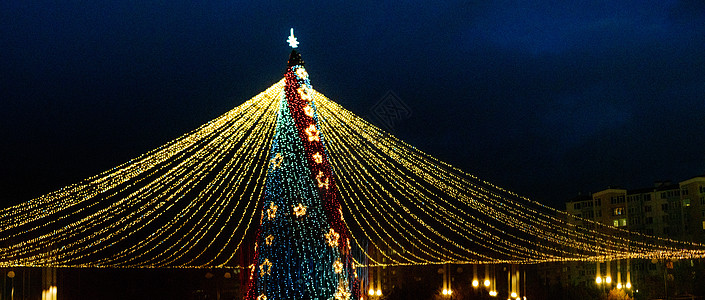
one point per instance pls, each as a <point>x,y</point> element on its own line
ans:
<point>302,249</point>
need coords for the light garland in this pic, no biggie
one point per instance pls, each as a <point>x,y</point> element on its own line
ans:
<point>190,203</point>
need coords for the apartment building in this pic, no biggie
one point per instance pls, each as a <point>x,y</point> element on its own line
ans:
<point>667,209</point>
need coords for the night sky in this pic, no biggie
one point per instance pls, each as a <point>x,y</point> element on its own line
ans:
<point>544,98</point>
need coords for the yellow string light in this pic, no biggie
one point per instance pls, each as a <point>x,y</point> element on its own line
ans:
<point>190,203</point>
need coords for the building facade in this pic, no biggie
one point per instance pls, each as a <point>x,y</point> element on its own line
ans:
<point>669,210</point>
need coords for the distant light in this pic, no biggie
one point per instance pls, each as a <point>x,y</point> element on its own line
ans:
<point>292,40</point>
<point>379,292</point>
<point>475,283</point>
<point>371,292</point>
<point>513,295</point>
<point>445,292</point>
<point>598,279</point>
<point>487,282</point>
<point>608,279</point>
<point>629,285</point>
<point>619,286</point>
<point>493,293</point>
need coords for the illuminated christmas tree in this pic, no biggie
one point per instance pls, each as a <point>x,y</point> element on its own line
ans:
<point>302,249</point>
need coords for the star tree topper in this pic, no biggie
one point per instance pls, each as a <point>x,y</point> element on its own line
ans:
<point>292,40</point>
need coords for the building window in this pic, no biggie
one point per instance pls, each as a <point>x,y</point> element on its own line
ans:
<point>649,220</point>
<point>702,200</point>
<point>664,218</point>
<point>619,222</point>
<point>664,207</point>
<point>598,202</point>
<point>647,208</point>
<point>703,225</point>
<point>576,205</point>
<point>684,192</point>
<point>702,189</point>
<point>665,230</point>
<point>618,211</point>
<point>663,195</point>
<point>686,202</point>
<point>647,197</point>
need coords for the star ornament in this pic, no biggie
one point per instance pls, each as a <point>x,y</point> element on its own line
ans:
<point>322,180</point>
<point>338,266</point>
<point>269,239</point>
<point>318,158</point>
<point>293,43</point>
<point>272,211</point>
<point>312,133</point>
<point>265,268</point>
<point>305,93</point>
<point>342,293</point>
<point>277,161</point>
<point>332,238</point>
<point>308,110</point>
<point>301,72</point>
<point>299,210</point>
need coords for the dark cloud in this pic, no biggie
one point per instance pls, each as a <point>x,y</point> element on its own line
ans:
<point>545,98</point>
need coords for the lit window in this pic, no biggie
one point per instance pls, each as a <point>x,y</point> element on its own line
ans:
<point>618,211</point>
<point>686,202</point>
